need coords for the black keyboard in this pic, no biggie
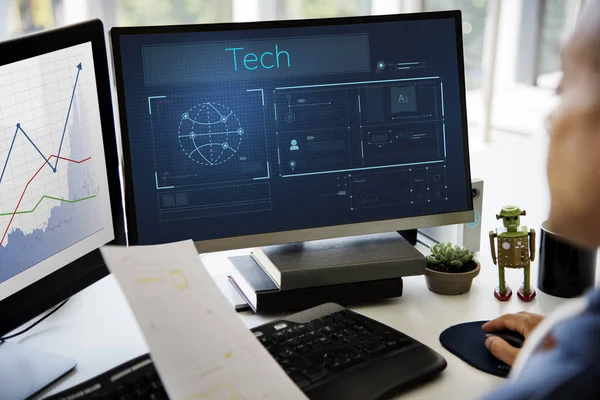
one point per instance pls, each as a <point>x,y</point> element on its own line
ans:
<point>328,351</point>
<point>134,379</point>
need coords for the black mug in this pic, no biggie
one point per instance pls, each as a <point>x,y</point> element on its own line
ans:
<point>565,270</point>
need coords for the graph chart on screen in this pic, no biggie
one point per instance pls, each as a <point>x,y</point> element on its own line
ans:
<point>50,139</point>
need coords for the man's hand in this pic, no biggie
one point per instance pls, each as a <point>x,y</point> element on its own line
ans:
<point>523,323</point>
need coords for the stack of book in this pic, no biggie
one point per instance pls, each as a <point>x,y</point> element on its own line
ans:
<point>284,278</point>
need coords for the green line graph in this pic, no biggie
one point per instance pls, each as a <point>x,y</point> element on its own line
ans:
<point>49,198</point>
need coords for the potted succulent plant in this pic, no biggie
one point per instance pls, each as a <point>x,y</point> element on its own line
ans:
<point>450,269</point>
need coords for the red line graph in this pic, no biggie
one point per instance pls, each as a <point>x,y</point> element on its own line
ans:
<point>27,186</point>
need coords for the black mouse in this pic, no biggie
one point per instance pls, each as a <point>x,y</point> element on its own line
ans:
<point>513,338</point>
<point>467,341</point>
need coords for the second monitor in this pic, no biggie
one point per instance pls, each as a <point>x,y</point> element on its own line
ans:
<point>240,135</point>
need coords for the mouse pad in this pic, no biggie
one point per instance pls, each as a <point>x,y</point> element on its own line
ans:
<point>467,341</point>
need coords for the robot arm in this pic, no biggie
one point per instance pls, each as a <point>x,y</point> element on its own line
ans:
<point>493,236</point>
<point>532,244</point>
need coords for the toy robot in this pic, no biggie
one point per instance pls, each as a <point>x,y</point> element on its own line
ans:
<point>516,249</point>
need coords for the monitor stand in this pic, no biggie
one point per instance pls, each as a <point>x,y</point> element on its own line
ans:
<point>342,260</point>
<point>26,371</point>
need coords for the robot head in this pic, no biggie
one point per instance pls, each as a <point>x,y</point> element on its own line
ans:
<point>511,217</point>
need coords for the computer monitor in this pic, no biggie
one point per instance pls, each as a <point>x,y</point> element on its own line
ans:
<point>60,196</point>
<point>243,135</point>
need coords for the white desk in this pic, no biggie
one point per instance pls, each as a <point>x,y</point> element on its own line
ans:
<point>97,328</point>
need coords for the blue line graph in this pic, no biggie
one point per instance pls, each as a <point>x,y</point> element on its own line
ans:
<point>19,128</point>
<point>67,119</point>
<point>9,151</point>
<point>73,131</point>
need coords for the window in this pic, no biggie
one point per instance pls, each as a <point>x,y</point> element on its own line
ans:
<point>161,12</point>
<point>554,29</point>
<point>553,25</point>
<point>474,16</point>
<point>325,8</point>
<point>29,16</point>
<point>527,37</point>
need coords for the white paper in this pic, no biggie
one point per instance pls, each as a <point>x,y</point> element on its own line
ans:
<point>199,345</point>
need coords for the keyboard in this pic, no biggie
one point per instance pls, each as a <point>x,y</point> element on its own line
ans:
<point>329,351</point>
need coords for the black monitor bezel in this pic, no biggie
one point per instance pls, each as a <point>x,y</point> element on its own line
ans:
<point>117,32</point>
<point>38,297</point>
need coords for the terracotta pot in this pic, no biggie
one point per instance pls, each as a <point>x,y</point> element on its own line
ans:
<point>450,283</point>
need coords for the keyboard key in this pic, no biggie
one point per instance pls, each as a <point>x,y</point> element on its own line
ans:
<point>314,325</point>
<point>301,329</point>
<point>315,374</point>
<point>400,342</point>
<point>289,332</point>
<point>140,392</point>
<point>375,348</point>
<point>287,353</point>
<point>300,380</point>
<point>98,394</point>
<point>299,365</point>
<point>333,365</point>
<point>284,362</point>
<point>353,341</point>
<point>314,335</point>
<point>302,349</point>
<point>279,337</point>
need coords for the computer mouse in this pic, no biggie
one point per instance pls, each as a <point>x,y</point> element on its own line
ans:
<point>467,341</point>
<point>513,338</point>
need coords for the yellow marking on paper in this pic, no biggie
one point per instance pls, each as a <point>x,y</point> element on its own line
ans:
<point>228,354</point>
<point>179,280</point>
<point>150,280</point>
<point>221,392</point>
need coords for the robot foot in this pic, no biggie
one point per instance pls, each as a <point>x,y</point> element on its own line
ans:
<point>503,297</point>
<point>525,297</point>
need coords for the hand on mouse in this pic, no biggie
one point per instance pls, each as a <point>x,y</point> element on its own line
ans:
<point>523,323</point>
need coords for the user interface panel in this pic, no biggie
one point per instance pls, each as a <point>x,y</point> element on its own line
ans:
<point>240,132</point>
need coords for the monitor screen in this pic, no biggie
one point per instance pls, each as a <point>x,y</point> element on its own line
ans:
<point>241,130</point>
<point>54,194</point>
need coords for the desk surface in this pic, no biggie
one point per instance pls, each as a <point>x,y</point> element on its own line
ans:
<point>97,328</point>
